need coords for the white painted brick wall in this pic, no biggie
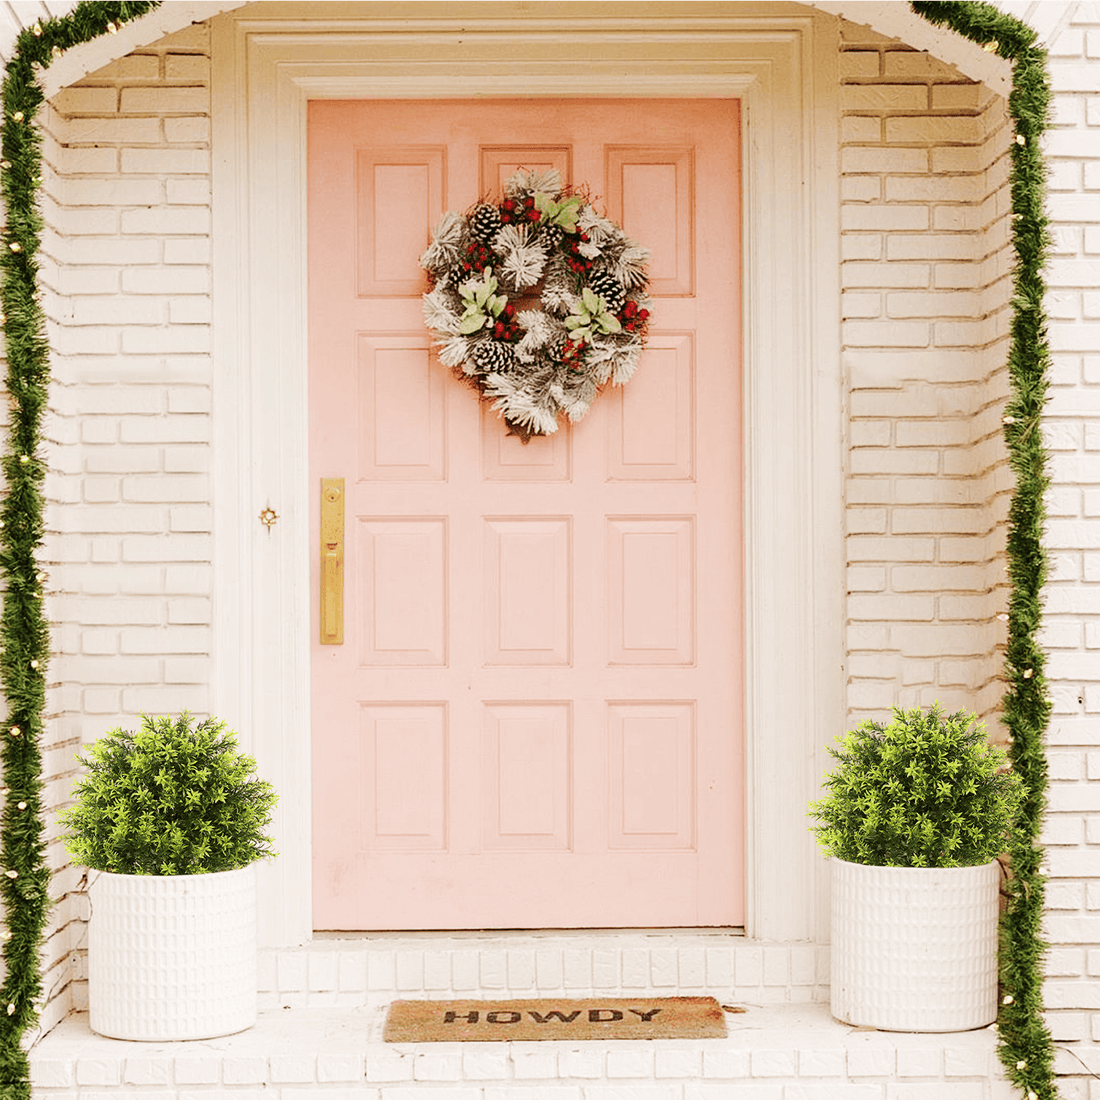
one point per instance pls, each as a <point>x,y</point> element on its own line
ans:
<point>127,196</point>
<point>1072,627</point>
<point>127,279</point>
<point>923,162</point>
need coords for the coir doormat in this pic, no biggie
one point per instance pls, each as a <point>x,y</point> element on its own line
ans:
<point>554,1018</point>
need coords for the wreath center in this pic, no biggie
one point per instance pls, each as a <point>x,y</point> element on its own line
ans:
<point>538,302</point>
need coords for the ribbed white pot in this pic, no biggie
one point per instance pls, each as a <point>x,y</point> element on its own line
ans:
<point>915,948</point>
<point>172,956</point>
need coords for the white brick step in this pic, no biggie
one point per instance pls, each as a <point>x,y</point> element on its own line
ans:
<point>775,1052</point>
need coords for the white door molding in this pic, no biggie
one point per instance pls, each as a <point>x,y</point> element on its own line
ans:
<point>266,66</point>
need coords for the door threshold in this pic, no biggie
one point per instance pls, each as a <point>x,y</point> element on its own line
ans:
<point>436,934</point>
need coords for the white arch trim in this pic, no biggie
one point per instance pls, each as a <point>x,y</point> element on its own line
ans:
<point>891,18</point>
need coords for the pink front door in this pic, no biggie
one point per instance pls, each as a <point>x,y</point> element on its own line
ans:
<point>535,717</point>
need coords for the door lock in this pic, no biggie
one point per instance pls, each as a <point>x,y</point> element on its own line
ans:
<point>332,561</point>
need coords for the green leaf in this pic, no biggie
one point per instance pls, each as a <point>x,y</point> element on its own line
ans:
<point>472,323</point>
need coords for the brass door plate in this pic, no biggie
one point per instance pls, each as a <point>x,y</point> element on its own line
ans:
<point>332,561</point>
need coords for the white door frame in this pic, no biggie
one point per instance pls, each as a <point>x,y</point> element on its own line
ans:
<point>267,64</point>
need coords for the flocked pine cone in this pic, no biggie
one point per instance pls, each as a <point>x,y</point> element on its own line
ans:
<point>492,355</point>
<point>609,289</point>
<point>485,222</point>
<point>550,236</point>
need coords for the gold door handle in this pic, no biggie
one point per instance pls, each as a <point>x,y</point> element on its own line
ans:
<point>332,561</point>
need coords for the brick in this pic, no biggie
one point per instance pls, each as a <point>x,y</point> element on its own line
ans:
<point>955,1090</point>
<point>98,1071</point>
<point>882,161</point>
<point>162,100</point>
<point>167,219</point>
<point>129,253</point>
<point>856,64</point>
<point>630,1060</point>
<point>494,969</point>
<point>170,338</point>
<point>914,64</point>
<point>533,1064</point>
<point>773,1063</point>
<point>860,129</point>
<point>389,1066</point>
<point>132,67</point>
<point>292,1069</point>
<point>877,334</point>
<point>833,1092</point>
<point>885,275</point>
<point>485,1065</point>
<point>935,304</point>
<point>191,67</point>
<point>166,280</point>
<point>115,131</point>
<point>339,1067</point>
<point>548,968</point>
<point>165,162</point>
<point>884,97</point>
<point>584,1063</point>
<point>928,130</point>
<point>930,246</point>
<point>729,1063</point>
<point>883,216</point>
<point>197,1071</point>
<point>678,1062</point>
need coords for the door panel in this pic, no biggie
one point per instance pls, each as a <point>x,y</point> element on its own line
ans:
<point>535,717</point>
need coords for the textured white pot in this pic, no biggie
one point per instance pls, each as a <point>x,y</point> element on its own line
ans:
<point>915,948</point>
<point>172,956</point>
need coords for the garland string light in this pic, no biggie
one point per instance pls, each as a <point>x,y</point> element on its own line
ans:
<point>25,877</point>
<point>1025,1047</point>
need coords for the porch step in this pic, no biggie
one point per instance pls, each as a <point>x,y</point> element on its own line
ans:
<point>773,1052</point>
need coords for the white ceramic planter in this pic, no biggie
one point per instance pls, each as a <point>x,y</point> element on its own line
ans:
<point>915,948</point>
<point>172,956</point>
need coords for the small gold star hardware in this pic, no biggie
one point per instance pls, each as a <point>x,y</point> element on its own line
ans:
<point>268,517</point>
<point>1007,999</point>
<point>15,731</point>
<point>36,30</point>
<point>1021,140</point>
<point>34,664</point>
<point>1028,673</point>
<point>18,116</point>
<point>112,28</point>
<point>15,246</point>
<point>989,47</point>
<point>21,805</point>
<point>1021,1065</point>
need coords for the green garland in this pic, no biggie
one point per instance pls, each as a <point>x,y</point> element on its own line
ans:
<point>1025,1045</point>
<point>24,631</point>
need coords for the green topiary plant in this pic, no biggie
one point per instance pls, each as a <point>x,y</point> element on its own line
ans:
<point>926,790</point>
<point>169,800</point>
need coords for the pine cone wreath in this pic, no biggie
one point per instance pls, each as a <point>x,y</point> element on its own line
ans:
<point>609,289</point>
<point>492,355</point>
<point>484,222</point>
